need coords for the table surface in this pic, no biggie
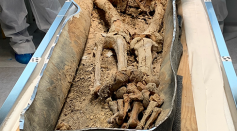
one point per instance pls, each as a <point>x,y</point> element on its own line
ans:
<point>188,116</point>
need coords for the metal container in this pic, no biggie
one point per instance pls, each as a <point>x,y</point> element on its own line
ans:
<point>47,105</point>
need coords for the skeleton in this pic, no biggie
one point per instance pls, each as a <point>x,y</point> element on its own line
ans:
<point>130,85</point>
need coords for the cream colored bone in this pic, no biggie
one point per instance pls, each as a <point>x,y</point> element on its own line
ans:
<point>133,120</point>
<point>146,115</point>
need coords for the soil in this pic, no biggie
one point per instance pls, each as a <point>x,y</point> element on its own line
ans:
<point>82,110</point>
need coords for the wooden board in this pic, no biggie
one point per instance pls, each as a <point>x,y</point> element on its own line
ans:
<point>188,116</point>
<point>18,129</point>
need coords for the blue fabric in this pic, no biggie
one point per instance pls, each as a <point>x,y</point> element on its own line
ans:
<point>23,58</point>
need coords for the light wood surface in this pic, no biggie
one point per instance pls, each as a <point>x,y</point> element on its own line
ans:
<point>188,116</point>
<point>18,129</point>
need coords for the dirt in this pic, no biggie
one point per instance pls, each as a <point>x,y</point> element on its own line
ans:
<point>83,110</point>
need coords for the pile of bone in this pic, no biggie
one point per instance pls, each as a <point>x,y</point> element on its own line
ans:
<point>134,101</point>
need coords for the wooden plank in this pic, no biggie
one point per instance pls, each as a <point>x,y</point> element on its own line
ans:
<point>188,116</point>
<point>18,129</point>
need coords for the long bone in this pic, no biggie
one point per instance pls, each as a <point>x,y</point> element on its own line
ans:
<point>146,115</point>
<point>117,39</point>
<point>156,111</point>
<point>133,120</point>
<point>117,36</point>
<point>149,41</point>
<point>99,44</point>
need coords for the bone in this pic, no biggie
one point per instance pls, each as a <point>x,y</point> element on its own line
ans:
<point>122,5</point>
<point>133,11</point>
<point>133,3</point>
<point>99,45</point>
<point>152,88</point>
<point>120,92</point>
<point>134,93</point>
<point>146,115</point>
<point>129,114</point>
<point>120,80</point>
<point>118,35</point>
<point>113,85</point>
<point>153,6</point>
<point>147,42</point>
<point>145,101</point>
<point>117,108</point>
<point>135,75</point>
<point>112,13</point>
<point>113,105</point>
<point>158,99</point>
<point>126,100</point>
<point>118,43</point>
<point>158,38</point>
<point>104,90</point>
<point>152,79</point>
<point>108,100</point>
<point>112,119</point>
<point>120,108</point>
<point>147,10</point>
<point>124,125</point>
<point>133,120</point>
<point>119,118</point>
<point>156,20</point>
<point>119,121</point>
<point>156,111</point>
<point>140,86</point>
<point>143,47</point>
<point>116,38</point>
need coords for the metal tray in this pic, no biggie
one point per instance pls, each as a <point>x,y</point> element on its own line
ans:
<point>168,83</point>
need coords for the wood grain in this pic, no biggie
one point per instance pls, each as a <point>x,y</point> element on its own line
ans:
<point>188,116</point>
